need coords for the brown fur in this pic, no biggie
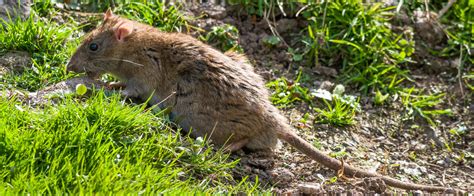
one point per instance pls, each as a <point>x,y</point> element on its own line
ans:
<point>210,93</point>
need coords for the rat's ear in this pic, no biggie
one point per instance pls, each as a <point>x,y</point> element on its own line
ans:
<point>123,30</point>
<point>108,14</point>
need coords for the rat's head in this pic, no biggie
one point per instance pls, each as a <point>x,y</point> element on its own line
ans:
<point>104,48</point>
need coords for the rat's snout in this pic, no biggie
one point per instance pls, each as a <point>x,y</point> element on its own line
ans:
<point>72,66</point>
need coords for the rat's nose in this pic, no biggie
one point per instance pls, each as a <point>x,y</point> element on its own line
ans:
<point>70,67</point>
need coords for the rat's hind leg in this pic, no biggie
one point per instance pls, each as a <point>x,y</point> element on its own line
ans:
<point>264,141</point>
<point>234,146</point>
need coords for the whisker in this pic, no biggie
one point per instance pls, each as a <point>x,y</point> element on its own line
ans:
<point>124,60</point>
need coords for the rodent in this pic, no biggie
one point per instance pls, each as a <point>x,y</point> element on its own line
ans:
<point>210,93</point>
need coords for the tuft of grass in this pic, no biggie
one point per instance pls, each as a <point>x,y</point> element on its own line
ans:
<point>49,45</point>
<point>155,13</point>
<point>43,8</point>
<point>286,93</point>
<point>469,80</point>
<point>418,104</point>
<point>224,37</point>
<point>96,5</point>
<point>104,146</point>
<point>458,24</point>
<point>340,111</point>
<point>357,38</point>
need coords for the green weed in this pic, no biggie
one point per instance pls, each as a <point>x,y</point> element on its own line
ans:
<point>356,37</point>
<point>98,5</point>
<point>418,104</point>
<point>339,112</point>
<point>460,30</point>
<point>155,13</point>
<point>43,8</point>
<point>271,41</point>
<point>296,56</point>
<point>285,92</point>
<point>225,37</point>
<point>103,146</point>
<point>340,154</point>
<point>469,80</point>
<point>49,45</point>
<point>380,98</point>
<point>458,22</point>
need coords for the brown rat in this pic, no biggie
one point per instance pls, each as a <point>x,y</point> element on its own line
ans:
<point>212,94</point>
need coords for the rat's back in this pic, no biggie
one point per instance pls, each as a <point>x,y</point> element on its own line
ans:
<point>222,97</point>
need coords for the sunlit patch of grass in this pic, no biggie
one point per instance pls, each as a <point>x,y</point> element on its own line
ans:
<point>49,45</point>
<point>356,37</point>
<point>340,111</point>
<point>155,13</point>
<point>458,22</point>
<point>418,104</point>
<point>104,146</point>
<point>43,8</point>
<point>224,37</point>
<point>286,93</point>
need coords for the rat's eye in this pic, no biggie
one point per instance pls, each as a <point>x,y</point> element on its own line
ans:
<point>93,47</point>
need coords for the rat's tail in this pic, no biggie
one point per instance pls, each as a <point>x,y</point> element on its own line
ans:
<point>350,171</point>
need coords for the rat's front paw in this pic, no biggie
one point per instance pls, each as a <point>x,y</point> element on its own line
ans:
<point>129,93</point>
<point>116,85</point>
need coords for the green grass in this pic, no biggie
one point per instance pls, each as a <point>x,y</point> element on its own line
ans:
<point>336,113</point>
<point>43,8</point>
<point>224,37</point>
<point>285,93</point>
<point>49,45</point>
<point>469,80</point>
<point>104,146</point>
<point>458,21</point>
<point>99,144</point>
<point>154,13</point>
<point>356,38</point>
<point>419,104</point>
<point>340,109</point>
